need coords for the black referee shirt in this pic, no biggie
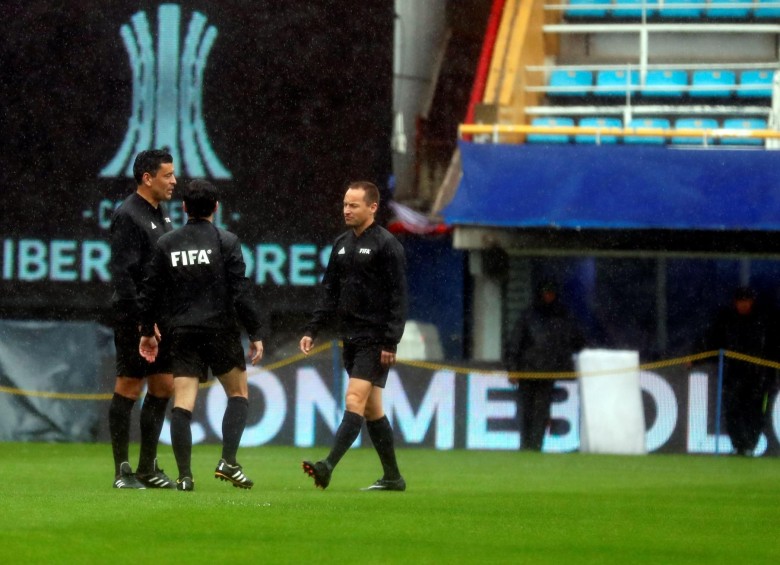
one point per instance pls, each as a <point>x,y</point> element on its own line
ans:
<point>364,287</point>
<point>199,270</point>
<point>135,228</point>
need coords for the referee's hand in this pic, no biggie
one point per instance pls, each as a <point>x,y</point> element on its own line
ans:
<point>255,351</point>
<point>148,347</point>
<point>305,345</point>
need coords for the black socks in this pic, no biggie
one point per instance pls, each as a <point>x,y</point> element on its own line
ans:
<point>181,437</point>
<point>119,428</point>
<point>348,431</point>
<point>152,419</point>
<point>381,435</point>
<point>233,424</point>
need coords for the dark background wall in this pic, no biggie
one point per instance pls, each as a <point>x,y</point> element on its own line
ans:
<point>296,102</point>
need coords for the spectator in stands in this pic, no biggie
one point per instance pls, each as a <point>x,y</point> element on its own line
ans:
<point>543,340</point>
<point>744,327</point>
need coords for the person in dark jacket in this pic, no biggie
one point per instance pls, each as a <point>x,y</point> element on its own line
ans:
<point>202,268</point>
<point>743,327</point>
<point>364,288</point>
<point>543,340</point>
<point>135,227</point>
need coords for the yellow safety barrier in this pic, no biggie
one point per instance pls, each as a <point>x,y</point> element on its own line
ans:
<point>708,133</point>
<point>107,396</point>
<point>436,367</point>
<point>568,374</point>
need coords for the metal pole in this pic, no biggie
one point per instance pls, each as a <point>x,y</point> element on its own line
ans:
<point>719,397</point>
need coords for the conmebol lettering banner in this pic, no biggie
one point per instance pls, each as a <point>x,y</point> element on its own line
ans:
<point>299,402</point>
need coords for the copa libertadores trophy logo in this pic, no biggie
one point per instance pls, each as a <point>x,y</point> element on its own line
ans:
<point>167,103</point>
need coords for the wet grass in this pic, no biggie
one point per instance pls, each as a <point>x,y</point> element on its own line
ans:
<point>57,506</point>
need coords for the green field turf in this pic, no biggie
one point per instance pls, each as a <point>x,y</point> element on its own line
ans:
<point>57,506</point>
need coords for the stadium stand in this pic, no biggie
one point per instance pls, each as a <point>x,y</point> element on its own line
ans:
<point>656,123</point>
<point>734,9</point>
<point>755,84</point>
<point>567,83</point>
<point>598,122</point>
<point>587,9</point>
<point>550,137</point>
<point>770,11</point>
<point>682,9</point>
<point>612,83</point>
<point>743,124</point>
<point>694,123</point>
<point>712,83</point>
<point>633,9</point>
<point>638,63</point>
<point>667,83</point>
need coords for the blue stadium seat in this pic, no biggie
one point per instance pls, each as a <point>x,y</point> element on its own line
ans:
<point>743,123</point>
<point>615,82</point>
<point>550,137</point>
<point>755,84</point>
<point>633,8</point>
<point>688,9</point>
<point>772,12</point>
<point>593,9</point>
<point>712,84</point>
<point>694,123</point>
<point>660,123</point>
<point>572,82</point>
<point>731,12</point>
<point>597,122</point>
<point>665,83</point>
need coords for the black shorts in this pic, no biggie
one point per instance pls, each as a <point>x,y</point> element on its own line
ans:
<point>195,352</point>
<point>364,361</point>
<point>129,362</point>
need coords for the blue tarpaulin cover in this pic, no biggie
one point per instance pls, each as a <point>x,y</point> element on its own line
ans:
<point>616,187</point>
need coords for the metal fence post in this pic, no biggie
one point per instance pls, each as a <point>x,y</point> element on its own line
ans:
<point>719,397</point>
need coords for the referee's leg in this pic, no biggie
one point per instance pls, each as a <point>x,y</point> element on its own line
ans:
<point>234,420</point>
<point>158,393</point>
<point>381,434</point>
<point>185,394</point>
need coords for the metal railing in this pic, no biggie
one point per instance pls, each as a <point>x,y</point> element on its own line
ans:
<point>492,132</point>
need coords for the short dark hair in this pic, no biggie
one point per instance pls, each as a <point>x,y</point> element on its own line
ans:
<point>371,190</point>
<point>200,197</point>
<point>149,161</point>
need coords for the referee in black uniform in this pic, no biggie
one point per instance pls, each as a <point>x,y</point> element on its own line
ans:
<point>364,287</point>
<point>135,227</point>
<point>203,270</point>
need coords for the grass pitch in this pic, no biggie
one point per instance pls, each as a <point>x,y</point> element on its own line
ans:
<point>57,506</point>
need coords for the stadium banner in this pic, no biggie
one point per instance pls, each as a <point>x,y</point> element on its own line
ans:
<point>276,105</point>
<point>62,393</point>
<point>621,187</point>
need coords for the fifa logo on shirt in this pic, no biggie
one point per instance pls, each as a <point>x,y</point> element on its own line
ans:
<point>364,251</point>
<point>190,257</point>
<point>167,103</point>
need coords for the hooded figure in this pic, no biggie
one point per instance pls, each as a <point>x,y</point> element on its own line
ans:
<point>543,340</point>
<point>743,327</point>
